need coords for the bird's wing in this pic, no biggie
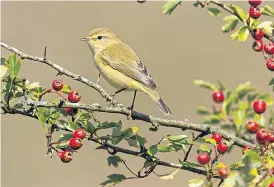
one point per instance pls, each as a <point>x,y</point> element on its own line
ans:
<point>123,59</point>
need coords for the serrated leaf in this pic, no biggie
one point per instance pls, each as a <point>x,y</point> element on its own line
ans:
<point>66,89</point>
<point>203,110</point>
<point>195,182</point>
<point>65,137</point>
<point>13,66</point>
<point>238,11</point>
<point>243,33</point>
<point>114,160</point>
<point>207,140</point>
<point>214,11</point>
<point>152,150</point>
<point>169,176</point>
<point>231,23</point>
<point>177,137</point>
<point>72,126</point>
<point>267,10</point>
<point>170,6</point>
<point>205,84</point>
<point>267,26</point>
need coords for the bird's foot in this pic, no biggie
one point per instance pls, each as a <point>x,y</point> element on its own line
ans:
<point>130,112</point>
<point>111,100</point>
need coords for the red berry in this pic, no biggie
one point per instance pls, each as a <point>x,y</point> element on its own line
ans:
<point>258,34</point>
<point>257,45</point>
<point>74,97</point>
<point>270,64</point>
<point>217,137</point>
<point>81,133</point>
<point>259,106</point>
<point>254,12</point>
<point>271,185</point>
<point>218,96</point>
<point>75,143</point>
<point>224,172</point>
<point>246,148</point>
<point>71,111</point>
<point>57,85</point>
<point>203,158</point>
<point>262,136</point>
<point>272,170</point>
<point>222,147</point>
<point>271,137</point>
<point>254,2</point>
<point>269,48</point>
<point>65,156</point>
<point>252,126</point>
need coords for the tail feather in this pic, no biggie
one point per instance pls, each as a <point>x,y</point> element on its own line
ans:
<point>162,105</point>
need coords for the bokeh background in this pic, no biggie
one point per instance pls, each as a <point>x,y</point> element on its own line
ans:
<point>176,49</point>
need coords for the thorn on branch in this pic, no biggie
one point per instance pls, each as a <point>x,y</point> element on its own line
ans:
<point>45,53</point>
<point>59,73</point>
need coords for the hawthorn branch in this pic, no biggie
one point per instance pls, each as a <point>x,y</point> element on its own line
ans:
<point>118,108</point>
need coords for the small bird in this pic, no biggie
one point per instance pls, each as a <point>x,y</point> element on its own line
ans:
<point>121,67</point>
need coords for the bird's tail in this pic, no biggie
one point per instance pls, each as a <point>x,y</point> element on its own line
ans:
<point>155,97</point>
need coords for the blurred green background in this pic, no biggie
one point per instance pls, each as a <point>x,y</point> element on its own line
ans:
<point>176,49</point>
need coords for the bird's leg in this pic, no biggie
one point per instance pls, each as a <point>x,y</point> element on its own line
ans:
<point>115,93</point>
<point>132,105</point>
<point>98,79</point>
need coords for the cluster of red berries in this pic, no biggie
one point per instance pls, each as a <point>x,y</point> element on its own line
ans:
<point>75,143</point>
<point>258,34</point>
<point>222,147</point>
<point>73,96</point>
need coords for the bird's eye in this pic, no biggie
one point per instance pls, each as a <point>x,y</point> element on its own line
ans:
<point>100,37</point>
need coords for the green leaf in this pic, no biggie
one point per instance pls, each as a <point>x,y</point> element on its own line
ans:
<point>190,164</point>
<point>166,148</point>
<point>213,119</point>
<point>130,131</point>
<point>267,26</point>
<point>231,23</point>
<point>186,142</point>
<point>116,140</point>
<point>66,89</point>
<point>204,84</point>
<point>214,11</point>
<point>3,67</point>
<point>116,131</point>
<point>207,140</point>
<point>132,141</point>
<point>42,114</point>
<point>177,137</point>
<point>238,11</point>
<point>90,127</point>
<point>148,164</point>
<point>260,119</point>
<point>267,10</point>
<point>203,110</point>
<point>141,140</point>
<point>238,118</point>
<point>271,82</point>
<point>170,6</point>
<point>72,126</point>
<point>65,137</point>
<point>220,85</point>
<point>266,97</point>
<point>236,166</point>
<point>205,148</point>
<point>169,176</point>
<point>241,34</point>
<point>113,180</point>
<point>107,125</point>
<point>152,150</point>
<point>63,145</point>
<point>114,160</point>
<point>195,182</point>
<point>13,66</point>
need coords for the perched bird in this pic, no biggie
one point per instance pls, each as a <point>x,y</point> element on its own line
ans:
<point>121,67</point>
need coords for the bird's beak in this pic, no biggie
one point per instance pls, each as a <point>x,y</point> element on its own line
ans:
<point>85,39</point>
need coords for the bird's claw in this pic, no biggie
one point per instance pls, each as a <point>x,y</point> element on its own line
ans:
<point>130,112</point>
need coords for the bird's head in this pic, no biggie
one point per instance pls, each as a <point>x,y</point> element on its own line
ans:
<point>100,38</point>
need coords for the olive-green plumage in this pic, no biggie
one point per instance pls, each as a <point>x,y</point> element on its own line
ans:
<point>120,66</point>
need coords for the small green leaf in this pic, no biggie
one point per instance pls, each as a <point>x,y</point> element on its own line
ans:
<point>213,119</point>
<point>177,137</point>
<point>65,137</point>
<point>132,141</point>
<point>190,164</point>
<point>204,84</point>
<point>203,110</point>
<point>114,160</point>
<point>236,166</point>
<point>271,82</point>
<point>152,150</point>
<point>195,182</point>
<point>186,142</point>
<point>266,97</point>
<point>243,33</point>
<point>205,148</point>
<point>214,11</point>
<point>13,66</point>
<point>207,140</point>
<point>166,148</point>
<point>63,145</point>
<point>130,131</point>
<point>231,23</point>
<point>116,140</point>
<point>238,118</point>
<point>260,119</point>
<point>238,11</point>
<point>66,89</point>
<point>267,26</point>
<point>267,10</point>
<point>116,131</point>
<point>141,140</point>
<point>170,6</point>
<point>72,126</point>
<point>42,114</point>
<point>90,127</point>
<point>107,125</point>
<point>169,176</point>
